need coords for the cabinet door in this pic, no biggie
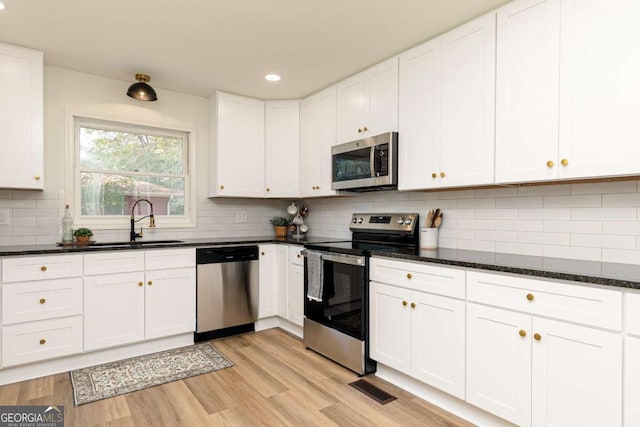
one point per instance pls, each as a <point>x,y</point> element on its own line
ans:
<point>238,154</point>
<point>438,342</point>
<point>310,146</point>
<point>113,310</point>
<point>468,103</point>
<point>499,362</point>
<point>381,98</point>
<point>599,88</point>
<point>577,375</point>
<point>282,280</point>
<point>419,108</point>
<point>268,303</point>
<point>317,136</point>
<point>296,294</point>
<point>21,118</point>
<point>351,108</point>
<point>528,49</point>
<point>390,326</point>
<point>170,302</point>
<point>632,381</point>
<point>282,141</point>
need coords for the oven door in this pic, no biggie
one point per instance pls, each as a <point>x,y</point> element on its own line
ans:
<point>344,304</point>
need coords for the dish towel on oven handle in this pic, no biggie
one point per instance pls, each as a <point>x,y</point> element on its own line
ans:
<point>314,276</point>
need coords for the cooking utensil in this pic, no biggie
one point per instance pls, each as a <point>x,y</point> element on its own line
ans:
<point>292,209</point>
<point>429,217</point>
<point>304,228</point>
<point>438,220</point>
<point>433,218</point>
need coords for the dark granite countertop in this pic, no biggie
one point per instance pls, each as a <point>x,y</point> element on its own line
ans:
<point>103,246</point>
<point>600,273</point>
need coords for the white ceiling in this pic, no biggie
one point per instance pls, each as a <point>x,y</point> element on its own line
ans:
<point>199,46</point>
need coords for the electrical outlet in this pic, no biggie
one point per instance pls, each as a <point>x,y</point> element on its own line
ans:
<point>241,216</point>
<point>5,216</point>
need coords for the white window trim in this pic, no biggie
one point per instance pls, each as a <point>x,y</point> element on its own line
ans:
<point>72,172</point>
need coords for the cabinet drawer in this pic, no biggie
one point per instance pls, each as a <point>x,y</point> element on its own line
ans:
<point>419,276</point>
<point>632,310</point>
<point>46,339</point>
<point>113,262</point>
<point>169,258</point>
<point>24,269</point>
<point>294,255</point>
<point>575,303</point>
<point>44,299</point>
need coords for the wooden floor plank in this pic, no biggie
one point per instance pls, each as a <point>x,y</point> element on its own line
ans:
<point>276,381</point>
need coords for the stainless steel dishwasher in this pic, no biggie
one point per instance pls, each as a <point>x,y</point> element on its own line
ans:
<point>227,291</point>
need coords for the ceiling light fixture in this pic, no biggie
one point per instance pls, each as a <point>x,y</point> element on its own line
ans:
<point>2,6</point>
<point>141,90</point>
<point>272,77</point>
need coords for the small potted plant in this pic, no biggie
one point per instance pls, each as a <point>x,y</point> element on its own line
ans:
<point>280,225</point>
<point>82,235</point>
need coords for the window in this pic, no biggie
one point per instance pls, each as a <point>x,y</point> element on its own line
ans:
<point>118,164</point>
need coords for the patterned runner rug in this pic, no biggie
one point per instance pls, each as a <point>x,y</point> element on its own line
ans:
<point>124,376</point>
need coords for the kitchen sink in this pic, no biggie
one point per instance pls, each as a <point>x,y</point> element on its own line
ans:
<point>137,244</point>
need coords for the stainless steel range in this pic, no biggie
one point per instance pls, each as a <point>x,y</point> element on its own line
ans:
<point>336,285</point>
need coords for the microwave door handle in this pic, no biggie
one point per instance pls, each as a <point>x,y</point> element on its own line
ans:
<point>372,162</point>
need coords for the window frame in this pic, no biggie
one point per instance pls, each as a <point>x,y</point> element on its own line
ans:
<point>110,222</point>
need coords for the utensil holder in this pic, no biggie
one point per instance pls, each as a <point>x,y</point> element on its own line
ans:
<point>429,238</point>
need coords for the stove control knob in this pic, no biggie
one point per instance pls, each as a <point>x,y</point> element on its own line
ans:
<point>354,220</point>
<point>360,220</point>
<point>408,221</point>
<point>400,221</point>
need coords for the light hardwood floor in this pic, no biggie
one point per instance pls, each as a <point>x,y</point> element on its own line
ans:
<point>275,382</point>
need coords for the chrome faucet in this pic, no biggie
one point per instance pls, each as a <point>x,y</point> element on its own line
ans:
<point>152,221</point>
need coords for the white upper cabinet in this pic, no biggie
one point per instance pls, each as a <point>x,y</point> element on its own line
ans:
<point>599,88</point>
<point>317,136</point>
<point>528,49</point>
<point>368,102</point>
<point>237,149</point>
<point>468,104</point>
<point>419,116</point>
<point>21,118</point>
<point>282,141</point>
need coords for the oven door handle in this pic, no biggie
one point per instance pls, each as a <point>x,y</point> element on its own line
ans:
<point>339,258</point>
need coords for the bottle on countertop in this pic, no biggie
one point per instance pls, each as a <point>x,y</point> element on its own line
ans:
<point>67,226</point>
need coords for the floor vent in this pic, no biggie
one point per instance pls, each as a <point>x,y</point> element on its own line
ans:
<point>373,392</point>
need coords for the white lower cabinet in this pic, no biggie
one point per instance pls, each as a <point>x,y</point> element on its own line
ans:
<point>534,371</point>
<point>129,307</point>
<point>114,309</point>
<point>419,334</point>
<point>415,332</point>
<point>631,358</point>
<point>268,289</point>
<point>295,286</point>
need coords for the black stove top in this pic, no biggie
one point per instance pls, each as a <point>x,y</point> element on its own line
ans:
<point>354,247</point>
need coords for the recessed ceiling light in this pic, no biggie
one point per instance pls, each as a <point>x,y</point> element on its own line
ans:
<point>272,77</point>
<point>2,6</point>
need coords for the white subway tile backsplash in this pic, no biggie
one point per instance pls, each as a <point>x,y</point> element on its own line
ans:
<point>476,245</point>
<point>520,225</point>
<point>621,227</point>
<point>458,214</point>
<point>519,248</point>
<point>620,214</point>
<point>458,194</point>
<point>621,256</point>
<point>497,192</point>
<point>497,236</point>
<point>17,204</point>
<point>590,227</point>
<point>580,201</point>
<point>604,187</point>
<point>571,252</point>
<point>476,203</point>
<point>544,238</point>
<point>519,202</point>
<point>496,214</point>
<point>547,213</point>
<point>620,200</point>
<point>545,190</point>
<point>476,224</point>
<point>604,241</point>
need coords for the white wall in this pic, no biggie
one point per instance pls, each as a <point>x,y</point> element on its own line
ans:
<point>592,221</point>
<point>35,216</point>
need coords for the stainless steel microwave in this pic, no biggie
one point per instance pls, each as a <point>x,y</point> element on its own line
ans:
<point>366,164</point>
